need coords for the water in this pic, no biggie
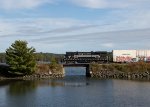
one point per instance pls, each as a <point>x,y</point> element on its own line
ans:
<point>74,91</point>
<point>75,71</point>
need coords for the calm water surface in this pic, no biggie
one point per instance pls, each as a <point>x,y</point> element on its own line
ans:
<point>74,91</point>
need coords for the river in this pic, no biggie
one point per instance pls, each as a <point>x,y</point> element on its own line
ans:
<point>74,90</point>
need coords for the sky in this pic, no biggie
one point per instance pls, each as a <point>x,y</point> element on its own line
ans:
<point>57,26</point>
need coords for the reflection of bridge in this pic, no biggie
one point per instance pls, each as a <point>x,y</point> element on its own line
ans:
<point>80,65</point>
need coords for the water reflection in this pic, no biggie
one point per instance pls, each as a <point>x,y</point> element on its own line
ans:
<point>22,87</point>
<point>76,84</point>
<point>74,91</point>
<point>54,83</point>
<point>68,81</point>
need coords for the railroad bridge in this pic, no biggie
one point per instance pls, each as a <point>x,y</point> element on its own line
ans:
<point>86,65</point>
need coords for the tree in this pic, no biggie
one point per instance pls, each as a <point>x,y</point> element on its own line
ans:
<point>21,58</point>
<point>53,60</point>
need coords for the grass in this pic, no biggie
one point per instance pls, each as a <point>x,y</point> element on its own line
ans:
<point>125,67</point>
<point>49,68</point>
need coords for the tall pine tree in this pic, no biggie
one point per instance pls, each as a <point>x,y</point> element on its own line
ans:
<point>21,58</point>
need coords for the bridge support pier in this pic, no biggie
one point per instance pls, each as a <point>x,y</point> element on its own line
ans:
<point>88,71</point>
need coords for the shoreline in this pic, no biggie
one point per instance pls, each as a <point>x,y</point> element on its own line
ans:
<point>42,71</point>
<point>32,77</point>
<point>121,71</point>
<point>96,76</point>
<point>60,77</point>
<point>129,71</point>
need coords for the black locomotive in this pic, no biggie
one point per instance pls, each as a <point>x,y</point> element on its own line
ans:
<point>88,57</point>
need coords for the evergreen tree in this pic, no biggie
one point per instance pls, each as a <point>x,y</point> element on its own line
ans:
<point>21,58</point>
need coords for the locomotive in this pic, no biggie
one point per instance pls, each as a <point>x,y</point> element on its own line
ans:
<point>88,57</point>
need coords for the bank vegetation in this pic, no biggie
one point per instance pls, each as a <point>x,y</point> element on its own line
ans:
<point>41,71</point>
<point>136,70</point>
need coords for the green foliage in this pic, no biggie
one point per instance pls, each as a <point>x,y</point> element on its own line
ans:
<point>46,57</point>
<point>53,60</point>
<point>21,58</point>
<point>41,57</point>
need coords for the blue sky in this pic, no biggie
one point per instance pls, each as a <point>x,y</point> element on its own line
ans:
<point>58,26</point>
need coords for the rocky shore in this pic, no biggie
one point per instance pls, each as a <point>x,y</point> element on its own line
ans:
<point>120,75</point>
<point>42,71</point>
<point>34,76</point>
<point>121,71</point>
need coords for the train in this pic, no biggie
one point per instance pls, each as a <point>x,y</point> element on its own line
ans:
<point>87,57</point>
<point>115,56</point>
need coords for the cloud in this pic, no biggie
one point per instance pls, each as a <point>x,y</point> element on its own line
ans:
<point>103,39</point>
<point>70,29</point>
<point>44,29</point>
<point>30,27</point>
<point>6,28</point>
<point>79,34</point>
<point>34,26</point>
<point>108,45</point>
<point>102,4</point>
<point>22,4</point>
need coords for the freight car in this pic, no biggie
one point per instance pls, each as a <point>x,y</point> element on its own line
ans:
<point>131,55</point>
<point>88,57</point>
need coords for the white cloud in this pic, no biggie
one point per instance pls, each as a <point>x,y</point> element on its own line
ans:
<point>44,27</point>
<point>110,3</point>
<point>79,34</point>
<point>108,45</point>
<point>137,19</point>
<point>53,27</point>
<point>21,4</point>
<point>6,28</point>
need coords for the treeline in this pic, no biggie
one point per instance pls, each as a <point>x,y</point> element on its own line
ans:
<point>40,57</point>
<point>48,57</point>
<point>2,57</point>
